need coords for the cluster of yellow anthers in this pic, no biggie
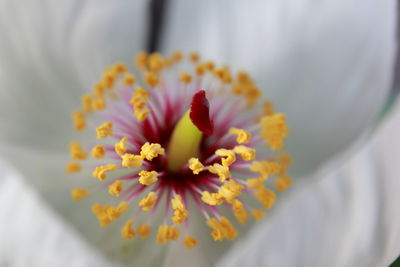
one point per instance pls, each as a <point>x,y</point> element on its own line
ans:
<point>271,125</point>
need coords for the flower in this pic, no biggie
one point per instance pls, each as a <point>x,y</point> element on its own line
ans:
<point>337,55</point>
<point>197,135</point>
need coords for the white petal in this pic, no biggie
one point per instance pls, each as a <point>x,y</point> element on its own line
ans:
<point>45,172</point>
<point>32,235</point>
<point>50,53</point>
<point>348,218</point>
<point>327,64</point>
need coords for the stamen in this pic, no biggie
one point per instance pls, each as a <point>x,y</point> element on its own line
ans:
<point>148,202</point>
<point>115,188</point>
<point>220,170</point>
<point>190,242</point>
<point>131,161</point>
<point>100,171</point>
<point>79,193</point>
<point>274,130</point>
<point>120,147</point>
<point>180,213</point>
<point>104,130</point>
<point>243,137</point>
<point>127,231</point>
<point>148,177</point>
<point>151,151</point>
<point>73,167</point>
<point>98,151</point>
<point>195,165</point>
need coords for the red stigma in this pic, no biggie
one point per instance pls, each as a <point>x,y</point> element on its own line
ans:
<point>200,113</point>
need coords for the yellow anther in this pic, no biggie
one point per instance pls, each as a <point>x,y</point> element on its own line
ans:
<point>194,57</point>
<point>220,170</point>
<point>210,65</point>
<point>252,93</point>
<point>106,213</point>
<point>247,153</point>
<point>189,242</point>
<point>274,130</point>
<point>239,211</point>
<point>177,56</point>
<point>243,137</point>
<point>266,197</point>
<point>185,77</point>
<point>120,147</point>
<point>73,167</point>
<point>143,230</point>
<point>162,234</point>
<point>79,121</point>
<point>283,182</point>
<point>98,103</point>
<point>151,151</point>
<point>98,90</point>
<point>139,103</point>
<point>243,78</point>
<point>148,177</point>
<point>131,160</point>
<point>108,79</point>
<point>120,68</point>
<point>76,151</point>
<point>238,89</point>
<point>129,79</point>
<point>141,60</point>
<point>255,183</point>
<point>115,188</point>
<point>100,171</point>
<point>104,130</point>
<point>151,79</point>
<point>223,74</point>
<point>212,199</point>
<point>173,232</point>
<point>229,156</point>
<point>166,232</point>
<point>98,151</point>
<point>217,233</point>
<point>127,231</point>
<point>229,231</point>
<point>265,168</point>
<point>86,103</point>
<point>222,229</point>
<point>148,202</point>
<point>195,165</point>
<point>139,93</point>
<point>141,114</point>
<point>230,190</point>
<point>258,214</point>
<point>156,62</point>
<point>79,193</point>
<point>200,69</point>
<point>285,160</point>
<point>268,108</point>
<point>180,213</point>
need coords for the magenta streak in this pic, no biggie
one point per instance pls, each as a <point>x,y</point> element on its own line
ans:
<point>199,205</point>
<point>160,194</point>
<point>127,192</point>
<point>137,192</point>
<point>167,205</point>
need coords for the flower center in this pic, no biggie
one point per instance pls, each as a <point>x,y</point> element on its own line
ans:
<point>198,137</point>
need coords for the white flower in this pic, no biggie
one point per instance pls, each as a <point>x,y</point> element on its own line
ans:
<point>327,65</point>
